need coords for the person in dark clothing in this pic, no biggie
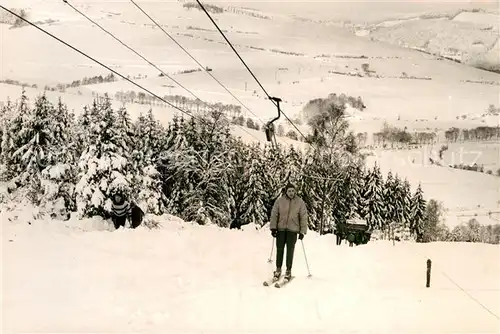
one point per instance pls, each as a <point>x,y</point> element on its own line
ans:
<point>339,232</point>
<point>136,215</point>
<point>288,222</point>
<point>339,238</point>
<point>236,223</point>
<point>120,210</point>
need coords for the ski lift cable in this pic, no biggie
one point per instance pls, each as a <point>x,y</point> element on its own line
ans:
<point>478,214</point>
<point>248,69</point>
<point>204,68</point>
<point>467,293</point>
<point>322,177</point>
<point>148,61</point>
<point>95,60</point>
<point>109,68</point>
<point>137,53</point>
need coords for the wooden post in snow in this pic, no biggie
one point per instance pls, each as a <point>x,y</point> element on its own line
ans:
<point>428,280</point>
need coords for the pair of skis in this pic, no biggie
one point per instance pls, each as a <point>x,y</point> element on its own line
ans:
<point>278,283</point>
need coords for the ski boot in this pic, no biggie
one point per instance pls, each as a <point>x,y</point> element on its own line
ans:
<point>288,275</point>
<point>277,274</point>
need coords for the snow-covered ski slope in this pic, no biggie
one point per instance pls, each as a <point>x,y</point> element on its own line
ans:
<point>76,277</point>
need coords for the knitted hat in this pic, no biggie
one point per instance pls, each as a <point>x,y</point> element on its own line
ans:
<point>290,185</point>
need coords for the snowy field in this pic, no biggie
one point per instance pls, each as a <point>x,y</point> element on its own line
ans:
<point>462,193</point>
<point>469,37</point>
<point>295,78</point>
<point>78,277</point>
<point>469,153</point>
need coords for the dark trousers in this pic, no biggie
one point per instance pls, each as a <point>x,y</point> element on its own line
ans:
<point>119,221</point>
<point>289,239</point>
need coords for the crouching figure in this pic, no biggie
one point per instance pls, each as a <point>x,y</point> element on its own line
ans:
<point>123,209</point>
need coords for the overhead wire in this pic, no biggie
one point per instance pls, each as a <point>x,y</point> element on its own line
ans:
<point>148,61</point>
<point>131,49</point>
<point>467,293</point>
<point>96,61</point>
<point>111,70</point>
<point>248,68</point>
<point>490,214</point>
<point>204,68</point>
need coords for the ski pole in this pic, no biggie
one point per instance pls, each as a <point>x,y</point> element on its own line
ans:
<point>272,248</point>
<point>307,264</point>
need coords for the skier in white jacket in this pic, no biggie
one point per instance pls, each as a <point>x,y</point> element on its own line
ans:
<point>288,221</point>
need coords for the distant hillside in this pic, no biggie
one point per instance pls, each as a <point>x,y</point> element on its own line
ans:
<point>469,37</point>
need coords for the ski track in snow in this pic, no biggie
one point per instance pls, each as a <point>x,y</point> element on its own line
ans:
<point>189,279</point>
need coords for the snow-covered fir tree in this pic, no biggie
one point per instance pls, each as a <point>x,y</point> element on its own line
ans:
<point>275,179</point>
<point>389,198</point>
<point>361,186</point>
<point>294,165</point>
<point>237,182</point>
<point>176,173</point>
<point>398,218</point>
<point>6,115</point>
<point>321,183</point>
<point>124,139</point>
<point>373,203</point>
<point>356,188</point>
<point>81,131</point>
<point>125,130</point>
<point>418,209</point>
<point>36,154</point>
<point>16,115</point>
<point>246,184</point>
<point>309,194</point>
<point>406,196</point>
<point>397,212</point>
<point>254,209</point>
<point>147,186</point>
<point>59,178</point>
<point>198,167</point>
<point>62,126</point>
<point>34,143</point>
<point>4,111</point>
<point>401,206</point>
<point>348,194</point>
<point>154,140</point>
<point>211,200</point>
<point>104,169</point>
<point>342,204</point>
